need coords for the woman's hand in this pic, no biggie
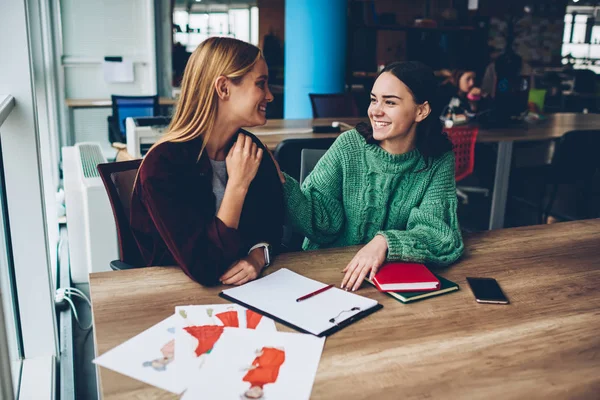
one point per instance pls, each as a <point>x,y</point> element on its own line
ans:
<point>245,269</point>
<point>243,161</point>
<point>281,176</point>
<point>366,261</point>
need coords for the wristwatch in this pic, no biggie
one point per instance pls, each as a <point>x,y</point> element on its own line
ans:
<point>267,249</point>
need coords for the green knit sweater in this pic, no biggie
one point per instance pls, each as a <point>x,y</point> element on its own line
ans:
<point>358,190</point>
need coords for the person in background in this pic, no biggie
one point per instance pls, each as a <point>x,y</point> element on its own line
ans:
<point>388,186</point>
<point>204,197</point>
<point>461,95</point>
<point>507,65</point>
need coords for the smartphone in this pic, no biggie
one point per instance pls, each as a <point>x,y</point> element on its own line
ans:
<point>487,290</point>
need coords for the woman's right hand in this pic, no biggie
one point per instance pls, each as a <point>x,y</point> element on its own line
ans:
<point>243,161</point>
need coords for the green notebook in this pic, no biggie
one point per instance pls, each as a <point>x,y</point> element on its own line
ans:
<point>446,286</point>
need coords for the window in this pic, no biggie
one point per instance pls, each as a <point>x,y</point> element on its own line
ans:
<point>25,245</point>
<point>567,33</point>
<point>581,37</point>
<point>9,323</point>
<point>192,28</point>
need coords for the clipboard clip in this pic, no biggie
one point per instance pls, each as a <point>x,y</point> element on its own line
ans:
<point>333,320</point>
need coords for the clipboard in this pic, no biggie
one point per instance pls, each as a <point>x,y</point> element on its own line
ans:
<point>274,296</point>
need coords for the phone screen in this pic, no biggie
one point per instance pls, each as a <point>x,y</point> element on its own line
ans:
<point>487,290</point>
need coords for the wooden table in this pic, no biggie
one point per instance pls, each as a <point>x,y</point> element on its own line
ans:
<point>103,103</point>
<point>545,344</point>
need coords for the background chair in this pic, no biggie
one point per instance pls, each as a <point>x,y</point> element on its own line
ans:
<point>333,105</point>
<point>308,159</point>
<point>288,153</point>
<point>575,166</point>
<point>118,179</point>
<point>463,140</point>
<point>129,106</point>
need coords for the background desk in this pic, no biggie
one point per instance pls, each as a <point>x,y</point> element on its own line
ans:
<point>544,345</point>
<point>554,127</point>
<point>103,103</point>
<point>89,122</point>
<point>276,130</point>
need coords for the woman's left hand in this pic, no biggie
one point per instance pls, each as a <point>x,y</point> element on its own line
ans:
<point>244,270</point>
<point>366,261</point>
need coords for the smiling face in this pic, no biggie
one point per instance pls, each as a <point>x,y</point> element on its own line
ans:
<point>247,102</point>
<point>393,112</point>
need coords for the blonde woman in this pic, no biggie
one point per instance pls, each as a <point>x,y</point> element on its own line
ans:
<point>205,197</point>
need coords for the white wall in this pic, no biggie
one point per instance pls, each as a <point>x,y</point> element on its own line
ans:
<point>91,30</point>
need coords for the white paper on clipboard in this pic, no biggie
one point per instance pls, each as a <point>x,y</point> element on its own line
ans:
<point>276,295</point>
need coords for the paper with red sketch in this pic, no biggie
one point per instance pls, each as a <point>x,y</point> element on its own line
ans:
<point>147,357</point>
<point>199,328</point>
<point>253,364</point>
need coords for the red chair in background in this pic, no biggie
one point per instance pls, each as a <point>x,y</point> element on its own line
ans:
<point>463,140</point>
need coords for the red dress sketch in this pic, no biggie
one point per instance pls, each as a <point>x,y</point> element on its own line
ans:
<point>252,319</point>
<point>208,335</point>
<point>229,318</point>
<point>264,370</point>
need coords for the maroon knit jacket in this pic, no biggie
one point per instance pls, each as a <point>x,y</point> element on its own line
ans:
<point>173,212</point>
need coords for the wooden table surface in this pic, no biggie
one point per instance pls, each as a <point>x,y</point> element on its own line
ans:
<point>103,103</point>
<point>545,344</point>
<point>555,126</point>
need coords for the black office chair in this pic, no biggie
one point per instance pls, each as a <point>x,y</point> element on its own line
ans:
<point>308,160</point>
<point>129,106</point>
<point>585,81</point>
<point>119,179</point>
<point>288,153</point>
<point>573,163</point>
<point>336,105</point>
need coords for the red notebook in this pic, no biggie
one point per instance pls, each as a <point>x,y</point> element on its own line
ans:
<point>405,277</point>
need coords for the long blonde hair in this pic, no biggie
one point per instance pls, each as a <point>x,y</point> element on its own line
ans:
<point>196,110</point>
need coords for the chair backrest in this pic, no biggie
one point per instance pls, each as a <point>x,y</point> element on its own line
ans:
<point>334,105</point>
<point>308,159</point>
<point>119,178</point>
<point>463,140</point>
<point>133,106</point>
<point>575,157</point>
<point>585,81</point>
<point>288,153</point>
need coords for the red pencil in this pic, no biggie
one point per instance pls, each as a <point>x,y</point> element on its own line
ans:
<point>316,292</point>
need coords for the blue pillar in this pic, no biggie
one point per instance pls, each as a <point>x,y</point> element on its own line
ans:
<point>315,52</point>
